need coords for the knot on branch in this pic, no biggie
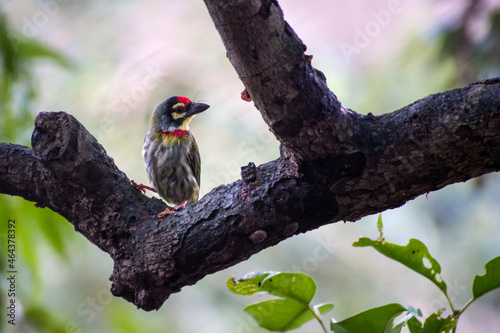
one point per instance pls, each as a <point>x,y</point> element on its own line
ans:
<point>249,173</point>
<point>54,136</point>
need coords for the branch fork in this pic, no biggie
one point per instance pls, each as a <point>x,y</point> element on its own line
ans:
<point>335,165</point>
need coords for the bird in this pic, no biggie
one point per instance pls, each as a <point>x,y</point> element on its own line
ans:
<point>171,154</point>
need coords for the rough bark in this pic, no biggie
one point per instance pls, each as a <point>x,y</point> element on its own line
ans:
<point>335,165</point>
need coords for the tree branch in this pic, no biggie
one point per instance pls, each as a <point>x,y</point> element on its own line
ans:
<point>335,165</point>
<point>291,95</point>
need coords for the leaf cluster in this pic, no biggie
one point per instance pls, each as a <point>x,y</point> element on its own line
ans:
<point>296,291</point>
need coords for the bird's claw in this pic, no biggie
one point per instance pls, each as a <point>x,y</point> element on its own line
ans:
<point>179,207</point>
<point>142,187</point>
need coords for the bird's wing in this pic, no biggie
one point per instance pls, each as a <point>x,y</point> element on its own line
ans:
<point>195,161</point>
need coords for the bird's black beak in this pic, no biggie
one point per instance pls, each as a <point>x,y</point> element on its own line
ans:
<point>195,108</point>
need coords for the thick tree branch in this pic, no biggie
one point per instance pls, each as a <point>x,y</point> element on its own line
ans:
<point>336,165</point>
<point>442,139</point>
<point>291,95</point>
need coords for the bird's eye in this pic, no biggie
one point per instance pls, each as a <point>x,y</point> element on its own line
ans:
<point>179,107</point>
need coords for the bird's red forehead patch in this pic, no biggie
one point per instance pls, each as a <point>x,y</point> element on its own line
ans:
<point>183,100</point>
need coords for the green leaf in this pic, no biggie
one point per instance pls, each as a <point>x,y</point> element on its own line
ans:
<point>284,314</point>
<point>433,324</point>
<point>396,329</point>
<point>380,224</point>
<point>323,308</point>
<point>297,286</point>
<point>287,313</point>
<point>247,285</point>
<point>412,256</point>
<point>489,281</point>
<point>277,314</point>
<point>380,227</point>
<point>376,320</point>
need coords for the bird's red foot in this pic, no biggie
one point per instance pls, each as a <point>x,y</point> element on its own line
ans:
<point>182,205</point>
<point>142,187</point>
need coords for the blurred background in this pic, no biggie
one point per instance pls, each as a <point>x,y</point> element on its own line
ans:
<point>109,63</point>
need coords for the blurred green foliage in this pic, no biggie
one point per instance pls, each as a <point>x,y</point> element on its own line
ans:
<point>37,228</point>
<point>475,57</point>
<point>17,82</point>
